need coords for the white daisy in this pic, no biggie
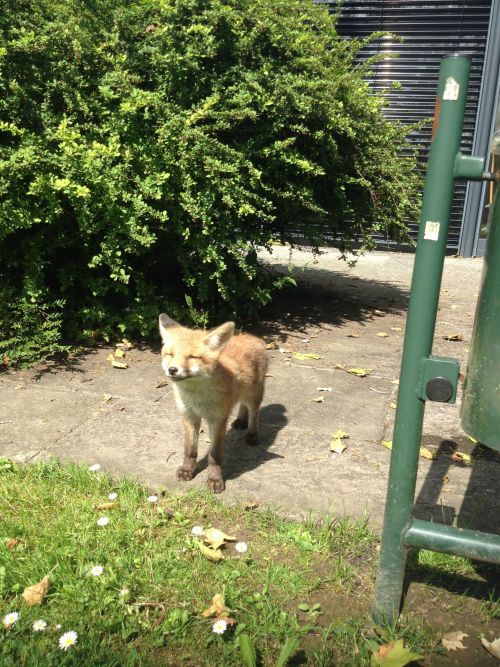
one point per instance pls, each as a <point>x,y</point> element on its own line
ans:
<point>241,547</point>
<point>95,467</point>
<point>219,627</point>
<point>96,570</point>
<point>67,639</point>
<point>103,521</point>
<point>123,593</point>
<point>112,496</point>
<point>39,625</point>
<point>152,499</point>
<point>10,619</point>
<point>197,530</point>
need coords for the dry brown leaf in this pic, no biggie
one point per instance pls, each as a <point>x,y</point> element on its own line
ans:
<point>453,640</point>
<point>106,506</point>
<point>453,337</point>
<point>11,542</point>
<point>216,538</point>
<point>250,505</point>
<point>492,647</point>
<point>427,454</point>
<point>36,594</point>
<point>217,608</point>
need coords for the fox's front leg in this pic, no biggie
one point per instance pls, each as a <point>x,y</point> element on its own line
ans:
<point>192,425</point>
<point>217,434</point>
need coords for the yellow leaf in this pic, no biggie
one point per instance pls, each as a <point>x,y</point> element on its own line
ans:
<point>382,334</point>
<point>302,356</point>
<point>35,594</point>
<point>473,440</point>
<point>393,655</point>
<point>217,608</point>
<point>110,358</point>
<point>337,446</point>
<point>318,399</point>
<point>387,443</point>
<point>216,538</point>
<point>360,372</point>
<point>395,328</point>
<point>393,405</point>
<point>352,335</point>
<point>427,454</point>
<point>119,353</point>
<point>454,337</point>
<point>339,434</point>
<point>212,554</point>
<point>250,505</point>
<point>106,506</point>
<point>119,364</point>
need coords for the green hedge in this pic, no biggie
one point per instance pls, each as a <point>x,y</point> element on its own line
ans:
<point>149,147</point>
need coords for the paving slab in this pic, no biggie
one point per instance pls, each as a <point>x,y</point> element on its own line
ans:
<point>126,419</point>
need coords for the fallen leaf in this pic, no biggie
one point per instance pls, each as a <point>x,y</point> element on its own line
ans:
<point>453,640</point>
<point>35,594</point>
<point>107,397</point>
<point>11,542</point>
<point>110,358</point>
<point>352,335</point>
<point>382,334</point>
<point>393,655</point>
<point>460,457</point>
<point>125,343</point>
<point>360,372</point>
<point>492,647</point>
<point>119,353</point>
<point>387,443</point>
<point>378,312</point>
<point>473,440</point>
<point>214,555</point>
<point>395,328</point>
<point>268,375</point>
<point>106,506</point>
<point>272,346</point>
<point>216,538</point>
<point>318,399</point>
<point>161,383</point>
<point>302,356</point>
<point>454,337</point>
<point>250,505</point>
<point>337,446</point>
<point>427,454</point>
<point>119,364</point>
<point>217,608</point>
<point>339,434</point>
<point>323,389</point>
<point>446,479</point>
<point>393,405</point>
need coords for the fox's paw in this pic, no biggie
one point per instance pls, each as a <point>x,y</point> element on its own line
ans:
<point>240,424</point>
<point>185,473</point>
<point>251,439</point>
<point>216,484</point>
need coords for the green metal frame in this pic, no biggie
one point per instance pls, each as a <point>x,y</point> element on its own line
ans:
<point>401,530</point>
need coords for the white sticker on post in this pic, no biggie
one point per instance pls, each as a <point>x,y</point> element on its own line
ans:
<point>451,89</point>
<point>431,232</point>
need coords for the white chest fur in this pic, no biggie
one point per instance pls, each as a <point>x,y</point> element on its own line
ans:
<point>198,396</point>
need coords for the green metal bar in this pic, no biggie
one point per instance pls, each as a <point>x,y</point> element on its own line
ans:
<point>450,540</point>
<point>424,295</point>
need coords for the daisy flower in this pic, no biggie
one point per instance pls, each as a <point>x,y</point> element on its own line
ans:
<point>219,627</point>
<point>152,499</point>
<point>103,521</point>
<point>124,592</point>
<point>95,467</point>
<point>96,570</point>
<point>10,619</point>
<point>67,639</point>
<point>197,530</point>
<point>241,547</point>
<point>113,496</point>
<point>39,625</point>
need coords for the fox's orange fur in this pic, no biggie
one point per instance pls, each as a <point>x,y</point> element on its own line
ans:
<point>212,371</point>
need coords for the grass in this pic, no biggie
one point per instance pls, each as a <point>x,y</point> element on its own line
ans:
<point>311,582</point>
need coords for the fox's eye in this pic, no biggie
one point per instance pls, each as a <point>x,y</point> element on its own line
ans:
<point>167,354</point>
<point>193,356</point>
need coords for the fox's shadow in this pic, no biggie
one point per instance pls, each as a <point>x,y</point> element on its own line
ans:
<point>239,457</point>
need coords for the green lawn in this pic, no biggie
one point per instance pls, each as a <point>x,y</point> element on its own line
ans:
<point>308,584</point>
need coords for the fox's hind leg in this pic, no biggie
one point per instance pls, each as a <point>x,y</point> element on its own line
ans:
<point>241,421</point>
<point>192,425</point>
<point>253,406</point>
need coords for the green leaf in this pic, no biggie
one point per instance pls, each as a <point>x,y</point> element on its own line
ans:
<point>393,655</point>
<point>247,651</point>
<point>289,648</point>
<point>303,606</point>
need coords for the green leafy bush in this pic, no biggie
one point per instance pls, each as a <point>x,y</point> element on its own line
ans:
<point>148,148</point>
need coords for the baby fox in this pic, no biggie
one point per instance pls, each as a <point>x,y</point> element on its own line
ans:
<point>212,371</point>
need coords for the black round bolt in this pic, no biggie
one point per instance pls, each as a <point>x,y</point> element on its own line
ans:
<point>439,389</point>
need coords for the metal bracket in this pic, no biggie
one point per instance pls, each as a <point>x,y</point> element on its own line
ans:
<point>438,379</point>
<point>469,167</point>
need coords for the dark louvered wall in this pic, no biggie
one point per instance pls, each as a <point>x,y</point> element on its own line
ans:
<point>431,29</point>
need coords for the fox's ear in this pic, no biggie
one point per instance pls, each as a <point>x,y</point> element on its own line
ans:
<point>218,338</point>
<point>166,323</point>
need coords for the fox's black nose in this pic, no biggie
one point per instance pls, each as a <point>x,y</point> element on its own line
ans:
<point>172,370</point>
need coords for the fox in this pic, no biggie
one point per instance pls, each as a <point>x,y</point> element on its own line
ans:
<point>212,371</point>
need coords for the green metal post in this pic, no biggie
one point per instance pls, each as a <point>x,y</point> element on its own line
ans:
<point>421,320</point>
